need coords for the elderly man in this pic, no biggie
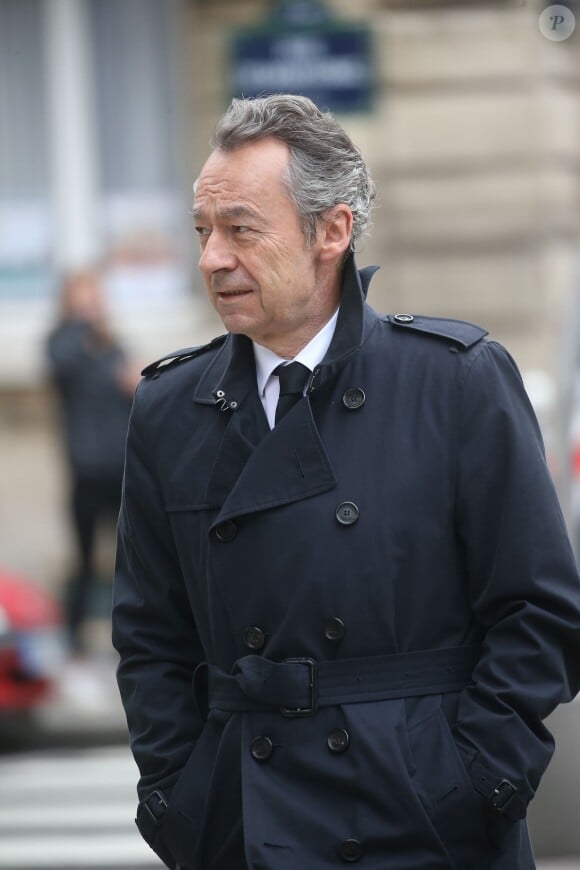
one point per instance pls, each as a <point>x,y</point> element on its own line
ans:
<point>345,598</point>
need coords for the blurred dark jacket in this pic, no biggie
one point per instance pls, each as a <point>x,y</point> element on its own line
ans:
<point>94,407</point>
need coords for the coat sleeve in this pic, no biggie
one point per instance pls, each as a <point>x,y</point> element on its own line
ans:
<point>523,584</point>
<point>153,630</point>
<point>67,348</point>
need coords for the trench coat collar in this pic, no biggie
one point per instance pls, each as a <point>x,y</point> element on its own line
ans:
<point>355,322</point>
<point>352,325</point>
<point>231,375</point>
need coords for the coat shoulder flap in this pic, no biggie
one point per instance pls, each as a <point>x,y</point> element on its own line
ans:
<point>178,356</point>
<point>461,332</point>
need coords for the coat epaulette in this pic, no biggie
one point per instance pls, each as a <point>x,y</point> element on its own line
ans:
<point>179,356</point>
<point>461,332</point>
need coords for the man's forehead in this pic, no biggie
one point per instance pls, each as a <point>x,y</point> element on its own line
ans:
<point>227,210</point>
<point>246,164</point>
<point>243,182</point>
<point>231,197</point>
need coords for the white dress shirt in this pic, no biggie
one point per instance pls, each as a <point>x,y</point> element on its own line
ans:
<point>267,361</point>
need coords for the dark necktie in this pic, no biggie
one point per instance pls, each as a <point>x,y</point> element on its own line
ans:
<point>292,379</point>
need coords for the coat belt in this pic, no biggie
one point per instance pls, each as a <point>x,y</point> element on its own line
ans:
<point>298,686</point>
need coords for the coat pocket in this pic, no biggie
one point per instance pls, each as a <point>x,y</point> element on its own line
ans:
<point>443,785</point>
<point>183,823</point>
<point>152,833</point>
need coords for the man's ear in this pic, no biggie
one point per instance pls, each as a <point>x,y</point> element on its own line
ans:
<point>335,231</point>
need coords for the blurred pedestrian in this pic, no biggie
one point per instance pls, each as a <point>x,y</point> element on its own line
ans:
<point>340,528</point>
<point>95,382</point>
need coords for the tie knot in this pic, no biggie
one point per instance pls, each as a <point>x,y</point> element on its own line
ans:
<point>292,378</point>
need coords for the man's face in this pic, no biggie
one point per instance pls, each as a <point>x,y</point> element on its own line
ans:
<point>259,272</point>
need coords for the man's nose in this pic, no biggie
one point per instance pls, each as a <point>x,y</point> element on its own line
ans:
<point>217,254</point>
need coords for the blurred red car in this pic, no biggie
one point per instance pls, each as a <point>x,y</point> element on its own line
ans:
<point>31,644</point>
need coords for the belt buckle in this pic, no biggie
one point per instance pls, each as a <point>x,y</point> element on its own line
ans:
<point>294,712</point>
<point>502,794</point>
<point>156,805</point>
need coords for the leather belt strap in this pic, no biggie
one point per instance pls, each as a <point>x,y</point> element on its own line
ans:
<point>297,687</point>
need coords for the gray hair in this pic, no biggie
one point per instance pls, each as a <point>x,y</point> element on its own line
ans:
<point>325,167</point>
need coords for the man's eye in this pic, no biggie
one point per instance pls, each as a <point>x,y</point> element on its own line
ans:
<point>241,228</point>
<point>202,231</point>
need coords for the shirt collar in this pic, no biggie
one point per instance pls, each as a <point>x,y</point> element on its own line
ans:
<point>309,356</point>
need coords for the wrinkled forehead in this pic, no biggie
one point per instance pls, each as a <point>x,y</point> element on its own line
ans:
<point>251,166</point>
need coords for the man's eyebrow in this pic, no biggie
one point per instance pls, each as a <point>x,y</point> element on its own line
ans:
<point>232,211</point>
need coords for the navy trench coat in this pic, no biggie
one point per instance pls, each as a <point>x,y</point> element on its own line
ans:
<point>403,505</point>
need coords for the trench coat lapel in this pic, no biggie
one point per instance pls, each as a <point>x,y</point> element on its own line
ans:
<point>231,379</point>
<point>243,432</point>
<point>288,465</point>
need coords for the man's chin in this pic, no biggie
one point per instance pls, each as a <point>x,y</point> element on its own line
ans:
<point>237,324</point>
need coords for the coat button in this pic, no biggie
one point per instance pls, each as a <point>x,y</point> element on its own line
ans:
<point>226,531</point>
<point>347,513</point>
<point>351,850</point>
<point>404,318</point>
<point>334,628</point>
<point>338,740</point>
<point>254,637</point>
<point>353,398</point>
<point>261,748</point>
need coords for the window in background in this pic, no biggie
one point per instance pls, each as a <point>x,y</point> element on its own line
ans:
<point>144,213</point>
<point>25,239</point>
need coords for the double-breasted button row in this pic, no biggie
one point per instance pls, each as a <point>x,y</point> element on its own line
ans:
<point>261,748</point>
<point>351,850</point>
<point>338,741</point>
<point>255,637</point>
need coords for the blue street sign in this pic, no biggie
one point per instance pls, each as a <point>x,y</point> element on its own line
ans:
<point>330,63</point>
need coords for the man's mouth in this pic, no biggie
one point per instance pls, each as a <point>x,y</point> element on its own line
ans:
<point>226,294</point>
